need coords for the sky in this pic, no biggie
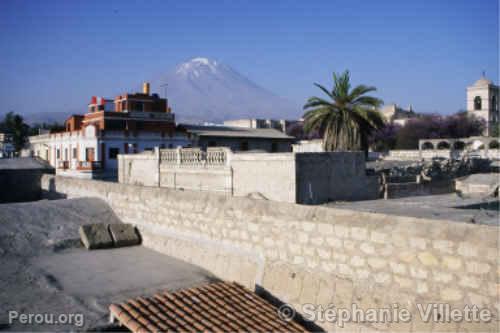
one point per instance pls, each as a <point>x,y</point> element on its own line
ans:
<point>54,55</point>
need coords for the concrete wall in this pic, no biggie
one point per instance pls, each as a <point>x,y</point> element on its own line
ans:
<point>307,178</point>
<point>319,255</point>
<point>268,176</point>
<point>324,177</point>
<point>17,185</point>
<point>217,180</point>
<point>411,189</point>
<point>308,146</point>
<point>139,169</point>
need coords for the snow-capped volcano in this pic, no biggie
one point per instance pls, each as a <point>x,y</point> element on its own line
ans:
<point>202,89</point>
<point>195,65</point>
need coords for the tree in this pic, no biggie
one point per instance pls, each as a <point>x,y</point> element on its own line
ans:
<point>51,127</point>
<point>14,125</point>
<point>385,138</point>
<point>347,118</point>
<point>459,125</point>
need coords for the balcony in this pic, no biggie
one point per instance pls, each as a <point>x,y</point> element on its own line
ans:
<point>89,165</point>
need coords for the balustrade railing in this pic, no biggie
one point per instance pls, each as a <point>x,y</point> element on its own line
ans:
<point>195,157</point>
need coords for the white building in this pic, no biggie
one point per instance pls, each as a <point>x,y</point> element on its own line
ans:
<point>89,145</point>
<point>6,146</point>
<point>483,101</point>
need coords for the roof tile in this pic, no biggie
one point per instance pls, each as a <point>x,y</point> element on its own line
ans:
<point>217,307</point>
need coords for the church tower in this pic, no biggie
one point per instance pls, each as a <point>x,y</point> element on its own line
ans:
<point>483,101</point>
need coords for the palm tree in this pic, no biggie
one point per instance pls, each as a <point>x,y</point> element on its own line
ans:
<point>347,118</point>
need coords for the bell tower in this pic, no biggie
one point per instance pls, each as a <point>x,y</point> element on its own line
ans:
<point>483,102</point>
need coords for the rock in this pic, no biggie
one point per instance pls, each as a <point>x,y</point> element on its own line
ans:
<point>124,234</point>
<point>95,236</point>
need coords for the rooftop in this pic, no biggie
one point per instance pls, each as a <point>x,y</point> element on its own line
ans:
<point>449,207</point>
<point>216,307</point>
<point>237,132</point>
<point>46,270</point>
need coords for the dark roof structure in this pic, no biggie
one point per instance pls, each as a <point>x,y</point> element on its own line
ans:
<point>214,307</point>
<point>235,132</point>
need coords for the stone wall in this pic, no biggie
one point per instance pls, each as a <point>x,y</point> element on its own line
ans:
<point>416,155</point>
<point>308,178</point>
<point>411,189</point>
<point>311,254</point>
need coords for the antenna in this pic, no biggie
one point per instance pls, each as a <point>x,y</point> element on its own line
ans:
<point>164,86</point>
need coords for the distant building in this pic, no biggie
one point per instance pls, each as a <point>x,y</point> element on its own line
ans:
<point>89,145</point>
<point>238,138</point>
<point>483,101</point>
<point>6,146</point>
<point>279,124</point>
<point>397,115</point>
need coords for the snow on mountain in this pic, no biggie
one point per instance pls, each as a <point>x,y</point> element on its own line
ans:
<point>202,89</point>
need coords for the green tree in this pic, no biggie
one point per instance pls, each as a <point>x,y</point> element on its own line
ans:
<point>14,125</point>
<point>347,118</point>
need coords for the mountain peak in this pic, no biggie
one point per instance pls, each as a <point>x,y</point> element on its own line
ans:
<point>194,66</point>
<point>202,89</point>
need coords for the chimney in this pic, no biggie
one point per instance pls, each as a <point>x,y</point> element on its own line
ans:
<point>145,88</point>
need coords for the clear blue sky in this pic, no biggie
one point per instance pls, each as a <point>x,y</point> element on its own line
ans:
<point>55,54</point>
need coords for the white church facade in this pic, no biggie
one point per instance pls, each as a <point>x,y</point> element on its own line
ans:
<point>483,100</point>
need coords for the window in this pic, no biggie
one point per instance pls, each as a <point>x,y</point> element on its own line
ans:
<point>58,154</point>
<point>443,145</point>
<point>244,146</point>
<point>148,149</point>
<point>65,154</point>
<point>212,144</point>
<point>494,105</point>
<point>427,145</point>
<point>113,153</point>
<point>74,153</point>
<point>477,103</point>
<point>274,147</point>
<point>89,154</point>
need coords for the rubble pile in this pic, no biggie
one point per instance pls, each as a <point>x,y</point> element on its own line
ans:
<point>427,170</point>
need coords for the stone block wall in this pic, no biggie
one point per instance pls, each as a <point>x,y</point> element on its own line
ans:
<point>311,254</point>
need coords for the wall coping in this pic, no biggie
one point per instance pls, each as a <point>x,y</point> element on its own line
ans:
<point>416,226</point>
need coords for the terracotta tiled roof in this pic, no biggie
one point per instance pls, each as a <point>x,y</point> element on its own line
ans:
<point>216,307</point>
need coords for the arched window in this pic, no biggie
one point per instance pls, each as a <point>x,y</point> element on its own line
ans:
<point>427,145</point>
<point>443,145</point>
<point>477,103</point>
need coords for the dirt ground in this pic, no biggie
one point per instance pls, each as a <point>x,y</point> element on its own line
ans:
<point>45,269</point>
